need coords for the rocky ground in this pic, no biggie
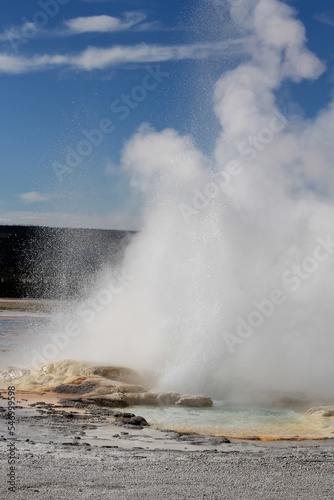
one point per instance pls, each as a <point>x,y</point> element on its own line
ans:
<point>108,386</point>
<point>94,452</point>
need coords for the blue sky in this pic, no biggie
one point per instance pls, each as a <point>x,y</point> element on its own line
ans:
<point>82,75</point>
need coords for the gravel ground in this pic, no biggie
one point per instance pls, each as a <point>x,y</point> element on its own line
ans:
<point>55,472</point>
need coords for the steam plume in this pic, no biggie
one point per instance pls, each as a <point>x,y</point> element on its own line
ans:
<point>224,235</point>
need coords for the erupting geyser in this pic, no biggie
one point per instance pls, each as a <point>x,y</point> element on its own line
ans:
<point>230,281</point>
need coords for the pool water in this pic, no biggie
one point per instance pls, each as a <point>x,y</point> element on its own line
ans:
<point>234,420</point>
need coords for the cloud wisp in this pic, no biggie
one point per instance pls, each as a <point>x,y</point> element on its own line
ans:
<point>325,18</point>
<point>34,197</point>
<point>94,58</point>
<point>83,25</point>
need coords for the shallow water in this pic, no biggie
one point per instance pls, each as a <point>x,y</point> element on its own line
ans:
<point>232,420</point>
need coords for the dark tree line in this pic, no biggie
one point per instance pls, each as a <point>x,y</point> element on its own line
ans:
<point>43,262</point>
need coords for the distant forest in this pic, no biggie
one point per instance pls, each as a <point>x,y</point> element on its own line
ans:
<point>55,263</point>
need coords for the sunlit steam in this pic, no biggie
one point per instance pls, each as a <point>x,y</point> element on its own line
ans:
<point>230,280</point>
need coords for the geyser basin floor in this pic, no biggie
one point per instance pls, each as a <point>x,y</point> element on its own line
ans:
<point>223,419</point>
<point>53,463</point>
<point>235,421</point>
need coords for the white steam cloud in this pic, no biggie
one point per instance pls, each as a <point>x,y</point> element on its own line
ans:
<point>233,270</point>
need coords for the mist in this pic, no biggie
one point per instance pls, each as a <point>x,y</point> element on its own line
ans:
<point>227,289</point>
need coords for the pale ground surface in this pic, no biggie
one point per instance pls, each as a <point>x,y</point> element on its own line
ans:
<point>29,305</point>
<point>87,456</point>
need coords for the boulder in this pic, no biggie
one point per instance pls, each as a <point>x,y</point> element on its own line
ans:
<point>116,400</point>
<point>147,398</point>
<point>133,421</point>
<point>132,398</point>
<point>321,411</point>
<point>77,386</point>
<point>111,387</point>
<point>199,439</point>
<point>118,373</point>
<point>328,413</point>
<point>152,398</point>
<point>167,398</point>
<point>128,388</point>
<point>96,386</point>
<point>195,401</point>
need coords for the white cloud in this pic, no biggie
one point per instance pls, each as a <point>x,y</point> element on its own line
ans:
<point>17,64</point>
<point>34,197</point>
<point>100,58</point>
<point>159,158</point>
<point>103,23</point>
